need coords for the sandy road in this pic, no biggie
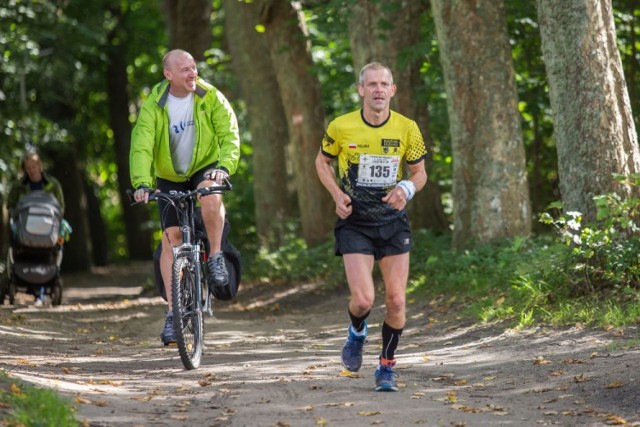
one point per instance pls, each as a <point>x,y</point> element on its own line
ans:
<point>272,359</point>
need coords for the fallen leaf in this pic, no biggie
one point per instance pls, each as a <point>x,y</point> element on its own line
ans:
<point>345,404</point>
<point>614,420</point>
<point>581,378</point>
<point>540,360</point>
<point>15,389</point>
<point>321,421</point>
<point>349,374</point>
<point>615,384</point>
<point>556,373</point>
<point>369,413</point>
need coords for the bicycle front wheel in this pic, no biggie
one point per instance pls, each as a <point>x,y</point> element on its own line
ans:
<point>187,312</point>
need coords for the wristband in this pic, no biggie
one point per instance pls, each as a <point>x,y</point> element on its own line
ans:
<point>408,187</point>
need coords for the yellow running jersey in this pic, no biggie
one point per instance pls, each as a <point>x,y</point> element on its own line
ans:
<point>371,160</point>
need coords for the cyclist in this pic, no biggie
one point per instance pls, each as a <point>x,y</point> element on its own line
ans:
<point>371,145</point>
<point>186,136</point>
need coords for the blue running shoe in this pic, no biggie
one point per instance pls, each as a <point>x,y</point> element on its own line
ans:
<point>352,350</point>
<point>385,376</point>
<point>168,335</point>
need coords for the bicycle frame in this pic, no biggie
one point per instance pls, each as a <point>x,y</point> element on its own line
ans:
<point>189,302</point>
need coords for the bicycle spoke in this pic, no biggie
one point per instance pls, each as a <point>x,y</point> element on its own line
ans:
<point>187,315</point>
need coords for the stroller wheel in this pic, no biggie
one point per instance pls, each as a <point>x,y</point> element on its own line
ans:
<point>12,292</point>
<point>56,292</point>
<point>7,288</point>
<point>4,289</point>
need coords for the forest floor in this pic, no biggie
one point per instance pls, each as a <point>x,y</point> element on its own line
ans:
<point>272,358</point>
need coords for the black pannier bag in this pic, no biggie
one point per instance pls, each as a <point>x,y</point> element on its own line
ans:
<point>37,220</point>
<point>231,256</point>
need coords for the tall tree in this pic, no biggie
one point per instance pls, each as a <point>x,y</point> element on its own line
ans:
<point>138,238</point>
<point>189,25</point>
<point>593,125</point>
<point>300,93</point>
<point>387,32</point>
<point>267,120</point>
<point>490,190</point>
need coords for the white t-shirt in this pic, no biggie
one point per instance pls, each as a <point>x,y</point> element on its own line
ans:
<point>182,131</point>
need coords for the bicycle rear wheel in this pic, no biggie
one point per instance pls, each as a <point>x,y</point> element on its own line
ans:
<point>187,312</point>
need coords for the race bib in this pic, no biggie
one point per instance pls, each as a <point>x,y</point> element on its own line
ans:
<point>378,171</point>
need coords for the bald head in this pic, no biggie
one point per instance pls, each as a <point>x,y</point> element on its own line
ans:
<point>169,60</point>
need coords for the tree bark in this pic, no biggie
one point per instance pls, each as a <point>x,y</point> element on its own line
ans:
<point>138,238</point>
<point>189,24</point>
<point>490,190</point>
<point>388,36</point>
<point>300,93</point>
<point>67,168</point>
<point>593,126</point>
<point>274,201</point>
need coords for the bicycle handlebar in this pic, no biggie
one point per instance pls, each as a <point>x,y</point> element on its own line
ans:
<point>154,195</point>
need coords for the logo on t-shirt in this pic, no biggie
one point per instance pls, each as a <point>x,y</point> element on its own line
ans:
<point>181,126</point>
<point>390,144</point>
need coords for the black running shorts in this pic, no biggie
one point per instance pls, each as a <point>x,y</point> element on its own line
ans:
<point>168,214</point>
<point>380,241</point>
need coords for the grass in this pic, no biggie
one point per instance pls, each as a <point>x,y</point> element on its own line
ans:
<point>22,405</point>
<point>523,280</point>
<point>526,281</point>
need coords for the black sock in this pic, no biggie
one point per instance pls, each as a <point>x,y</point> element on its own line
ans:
<point>358,322</point>
<point>390,339</point>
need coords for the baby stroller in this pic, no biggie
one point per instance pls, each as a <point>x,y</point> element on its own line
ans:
<point>35,253</point>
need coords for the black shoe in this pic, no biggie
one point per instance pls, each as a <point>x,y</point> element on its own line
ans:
<point>168,335</point>
<point>218,275</point>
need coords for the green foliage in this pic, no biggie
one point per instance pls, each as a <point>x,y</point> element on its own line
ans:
<point>586,273</point>
<point>294,262</point>
<point>30,406</point>
<point>603,255</point>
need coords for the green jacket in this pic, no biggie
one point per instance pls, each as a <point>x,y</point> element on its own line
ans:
<point>23,186</point>
<point>217,136</point>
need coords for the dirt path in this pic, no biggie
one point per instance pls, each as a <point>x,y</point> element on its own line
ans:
<point>272,359</point>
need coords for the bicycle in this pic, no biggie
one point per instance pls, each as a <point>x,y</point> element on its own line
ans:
<point>189,290</point>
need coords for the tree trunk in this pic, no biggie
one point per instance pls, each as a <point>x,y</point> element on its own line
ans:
<point>100,256</point>
<point>67,168</point>
<point>189,24</point>
<point>274,201</point>
<point>490,191</point>
<point>371,40</point>
<point>138,238</point>
<point>593,126</point>
<point>300,93</point>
